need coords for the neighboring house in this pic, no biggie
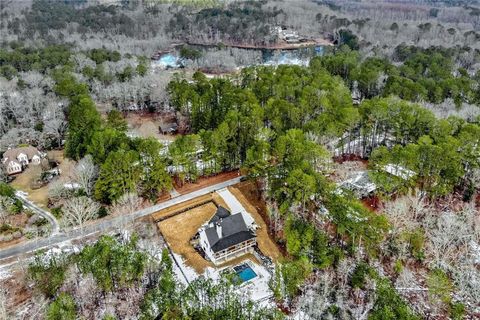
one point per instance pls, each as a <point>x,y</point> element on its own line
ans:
<point>399,171</point>
<point>227,236</point>
<point>360,185</point>
<point>16,159</point>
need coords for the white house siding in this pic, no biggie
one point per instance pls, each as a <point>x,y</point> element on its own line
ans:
<point>205,246</point>
<point>36,159</point>
<point>14,167</point>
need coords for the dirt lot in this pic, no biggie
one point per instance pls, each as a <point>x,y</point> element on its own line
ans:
<point>23,181</point>
<point>179,229</point>
<point>346,169</point>
<point>146,126</point>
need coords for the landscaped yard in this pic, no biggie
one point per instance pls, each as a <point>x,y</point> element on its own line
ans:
<point>23,181</point>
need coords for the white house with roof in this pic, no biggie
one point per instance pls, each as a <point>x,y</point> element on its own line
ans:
<point>360,184</point>
<point>399,171</point>
<point>16,159</point>
<point>227,236</point>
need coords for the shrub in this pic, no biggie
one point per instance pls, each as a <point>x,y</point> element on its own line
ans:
<point>48,276</point>
<point>457,310</point>
<point>63,308</point>
<point>359,275</point>
<point>439,286</point>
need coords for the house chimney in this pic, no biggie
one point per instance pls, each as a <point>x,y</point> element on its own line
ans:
<point>218,227</point>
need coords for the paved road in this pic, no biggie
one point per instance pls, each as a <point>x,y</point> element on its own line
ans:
<point>108,224</point>
<point>36,209</point>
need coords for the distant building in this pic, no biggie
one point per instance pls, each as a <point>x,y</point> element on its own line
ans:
<point>16,159</point>
<point>168,128</point>
<point>360,185</point>
<point>289,36</point>
<point>227,236</point>
<point>399,171</point>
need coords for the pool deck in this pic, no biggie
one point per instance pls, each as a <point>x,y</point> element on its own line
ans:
<point>256,288</point>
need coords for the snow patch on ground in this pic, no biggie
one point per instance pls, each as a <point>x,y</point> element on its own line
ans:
<point>183,272</point>
<point>4,273</point>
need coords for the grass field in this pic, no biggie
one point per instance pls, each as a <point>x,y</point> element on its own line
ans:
<point>178,231</point>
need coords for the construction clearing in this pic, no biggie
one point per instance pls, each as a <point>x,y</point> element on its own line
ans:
<point>180,223</point>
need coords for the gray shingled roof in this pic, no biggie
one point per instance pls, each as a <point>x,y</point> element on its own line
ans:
<point>168,127</point>
<point>221,213</point>
<point>234,231</point>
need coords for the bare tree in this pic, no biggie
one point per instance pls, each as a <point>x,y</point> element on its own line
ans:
<point>57,191</point>
<point>79,210</point>
<point>6,204</point>
<point>316,298</point>
<point>3,304</point>
<point>128,203</point>
<point>85,173</point>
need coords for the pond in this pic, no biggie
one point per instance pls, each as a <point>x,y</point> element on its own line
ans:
<point>229,58</point>
<point>168,60</point>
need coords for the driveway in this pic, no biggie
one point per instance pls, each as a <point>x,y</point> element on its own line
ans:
<point>22,196</point>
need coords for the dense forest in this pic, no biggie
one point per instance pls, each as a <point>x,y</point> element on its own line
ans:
<point>399,88</point>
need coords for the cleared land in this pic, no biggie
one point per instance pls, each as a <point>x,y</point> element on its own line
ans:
<point>181,207</point>
<point>146,126</point>
<point>186,206</point>
<point>183,221</point>
<point>264,242</point>
<point>205,181</point>
<point>179,229</point>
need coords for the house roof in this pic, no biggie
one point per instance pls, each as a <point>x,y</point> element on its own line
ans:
<point>13,153</point>
<point>8,162</point>
<point>233,231</point>
<point>168,126</point>
<point>399,171</point>
<point>221,213</point>
<point>360,182</point>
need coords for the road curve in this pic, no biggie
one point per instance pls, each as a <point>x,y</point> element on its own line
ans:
<point>105,225</point>
<point>36,209</point>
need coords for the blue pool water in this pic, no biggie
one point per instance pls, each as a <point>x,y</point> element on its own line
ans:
<point>168,61</point>
<point>245,273</point>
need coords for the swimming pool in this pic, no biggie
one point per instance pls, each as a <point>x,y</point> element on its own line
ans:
<point>244,272</point>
